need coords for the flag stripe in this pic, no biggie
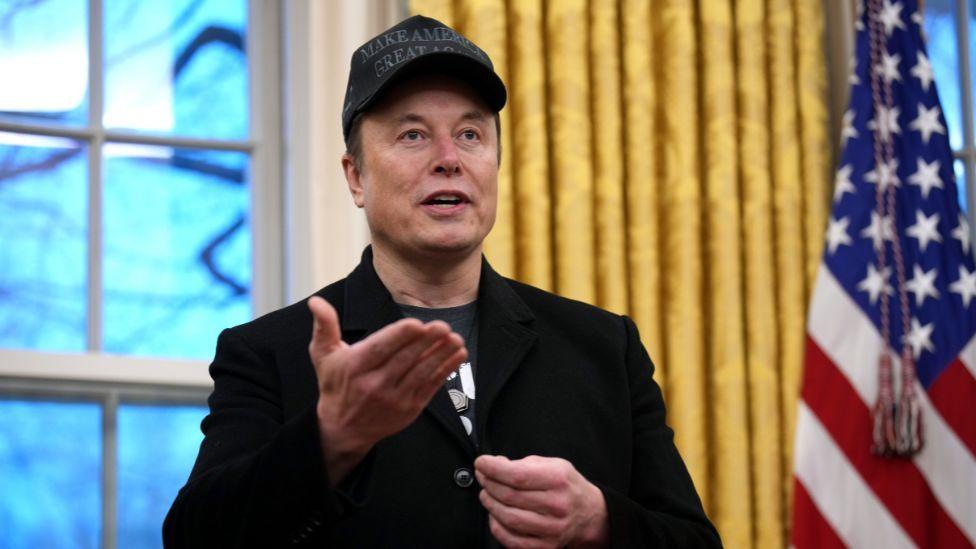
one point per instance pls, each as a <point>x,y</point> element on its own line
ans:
<point>810,529</point>
<point>954,394</point>
<point>854,346</point>
<point>968,357</point>
<point>897,482</point>
<point>839,492</point>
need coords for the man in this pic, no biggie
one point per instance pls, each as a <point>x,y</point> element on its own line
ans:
<point>332,424</point>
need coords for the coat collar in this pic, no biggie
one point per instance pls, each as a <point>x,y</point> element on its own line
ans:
<point>504,335</point>
<point>368,305</point>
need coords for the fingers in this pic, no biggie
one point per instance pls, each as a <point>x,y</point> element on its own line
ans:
<point>511,539</point>
<point>518,520</point>
<point>376,350</point>
<point>405,359</point>
<point>326,335</point>
<point>544,502</point>
<point>438,360</point>
<point>530,473</point>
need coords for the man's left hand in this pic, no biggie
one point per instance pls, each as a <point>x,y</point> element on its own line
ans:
<point>541,502</point>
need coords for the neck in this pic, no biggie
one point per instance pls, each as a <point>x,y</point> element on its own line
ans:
<point>434,282</point>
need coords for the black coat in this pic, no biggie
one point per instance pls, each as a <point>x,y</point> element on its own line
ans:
<point>555,377</point>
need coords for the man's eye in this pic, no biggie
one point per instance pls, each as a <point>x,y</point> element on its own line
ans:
<point>412,135</point>
<point>470,135</point>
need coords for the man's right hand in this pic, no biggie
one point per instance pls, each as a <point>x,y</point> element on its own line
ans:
<point>377,386</point>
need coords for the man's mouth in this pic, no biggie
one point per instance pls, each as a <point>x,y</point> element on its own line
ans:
<point>445,200</point>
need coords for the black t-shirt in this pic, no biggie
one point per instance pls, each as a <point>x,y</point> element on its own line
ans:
<point>460,384</point>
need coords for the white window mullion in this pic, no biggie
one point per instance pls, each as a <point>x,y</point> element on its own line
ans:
<point>95,107</point>
<point>110,470</point>
<point>264,94</point>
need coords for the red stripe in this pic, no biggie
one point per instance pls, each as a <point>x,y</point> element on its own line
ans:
<point>953,394</point>
<point>897,482</point>
<point>810,529</point>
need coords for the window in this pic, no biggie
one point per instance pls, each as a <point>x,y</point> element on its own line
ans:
<point>139,216</point>
<point>950,28</point>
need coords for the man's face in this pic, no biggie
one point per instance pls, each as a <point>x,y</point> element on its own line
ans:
<point>429,177</point>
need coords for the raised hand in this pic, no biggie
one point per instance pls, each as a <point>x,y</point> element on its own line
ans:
<point>377,386</point>
<point>541,502</point>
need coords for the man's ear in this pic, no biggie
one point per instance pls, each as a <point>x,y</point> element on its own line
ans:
<point>353,179</point>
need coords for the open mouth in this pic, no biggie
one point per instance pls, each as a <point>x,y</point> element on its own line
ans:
<point>446,200</point>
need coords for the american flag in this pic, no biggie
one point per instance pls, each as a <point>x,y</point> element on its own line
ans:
<point>908,253</point>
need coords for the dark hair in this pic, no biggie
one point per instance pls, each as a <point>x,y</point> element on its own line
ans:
<point>354,145</point>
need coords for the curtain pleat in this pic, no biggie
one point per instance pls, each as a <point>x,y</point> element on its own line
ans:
<point>570,148</point>
<point>668,159</point>
<point>641,152</point>
<point>528,98</point>
<point>679,189</point>
<point>763,363</point>
<point>608,157</point>
<point>731,493</point>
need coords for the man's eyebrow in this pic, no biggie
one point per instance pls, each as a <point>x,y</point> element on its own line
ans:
<point>410,117</point>
<point>474,115</point>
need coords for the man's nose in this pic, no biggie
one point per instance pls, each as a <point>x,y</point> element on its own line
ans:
<point>447,161</point>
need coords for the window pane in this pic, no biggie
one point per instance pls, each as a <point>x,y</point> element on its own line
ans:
<point>177,249</point>
<point>45,73</point>
<point>50,474</point>
<point>943,49</point>
<point>157,447</point>
<point>43,242</point>
<point>960,169</point>
<point>177,67</point>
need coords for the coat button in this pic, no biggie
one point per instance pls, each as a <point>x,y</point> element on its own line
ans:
<point>463,477</point>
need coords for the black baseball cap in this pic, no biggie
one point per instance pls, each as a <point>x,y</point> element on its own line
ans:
<point>417,45</point>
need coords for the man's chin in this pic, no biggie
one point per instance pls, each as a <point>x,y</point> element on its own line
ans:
<point>450,248</point>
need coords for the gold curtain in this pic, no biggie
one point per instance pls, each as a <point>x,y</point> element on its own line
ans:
<point>668,159</point>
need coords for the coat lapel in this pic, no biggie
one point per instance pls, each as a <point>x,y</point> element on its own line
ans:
<point>504,338</point>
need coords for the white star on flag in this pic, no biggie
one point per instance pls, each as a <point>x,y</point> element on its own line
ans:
<point>878,229</point>
<point>920,337</point>
<point>889,67</point>
<point>923,71</point>
<point>965,286</point>
<point>926,176</point>
<point>923,284</point>
<point>888,124</point>
<point>925,229</point>
<point>837,233</point>
<point>888,175</point>
<point>961,233</point>
<point>848,131</point>
<point>927,122</point>
<point>875,283</point>
<point>842,183</point>
<point>852,78</point>
<point>891,16</point>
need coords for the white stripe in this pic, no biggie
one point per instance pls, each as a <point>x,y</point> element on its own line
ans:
<point>839,492</point>
<point>968,356</point>
<point>850,340</point>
